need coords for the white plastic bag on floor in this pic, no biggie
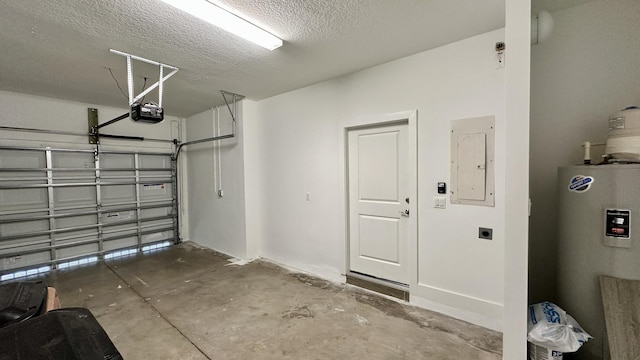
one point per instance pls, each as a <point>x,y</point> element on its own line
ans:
<point>552,328</point>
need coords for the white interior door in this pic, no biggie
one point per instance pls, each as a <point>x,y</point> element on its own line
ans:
<point>378,201</point>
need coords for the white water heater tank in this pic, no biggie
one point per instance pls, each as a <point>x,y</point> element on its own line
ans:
<point>623,142</point>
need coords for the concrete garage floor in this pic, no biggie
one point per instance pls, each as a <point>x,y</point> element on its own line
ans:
<point>187,302</point>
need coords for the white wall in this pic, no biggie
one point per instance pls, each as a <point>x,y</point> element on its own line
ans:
<point>214,221</point>
<point>518,57</point>
<point>253,142</point>
<point>299,154</point>
<point>587,71</point>
<point>28,111</point>
<point>458,273</point>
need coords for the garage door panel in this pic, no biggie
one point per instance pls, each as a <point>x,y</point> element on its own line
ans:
<point>26,215</point>
<point>118,210</point>
<point>155,212</point>
<point>25,261</point>
<point>20,175</point>
<point>63,204</point>
<point>12,229</point>
<point>155,231</point>
<point>122,229</point>
<point>152,173</point>
<point>13,200</point>
<point>157,236</point>
<point>22,159</point>
<point>15,246</point>
<point>117,193</point>
<point>155,176</point>
<point>64,237</point>
<point>70,238</point>
<point>117,161</point>
<point>115,177</point>
<point>72,160</point>
<point>154,161</point>
<point>71,179</point>
<point>74,196</point>
<point>74,177</point>
<point>155,223</point>
<point>76,221</point>
<point>78,251</point>
<point>117,244</point>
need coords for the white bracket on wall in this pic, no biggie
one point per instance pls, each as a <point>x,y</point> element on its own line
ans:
<point>158,84</point>
<point>233,110</point>
<point>234,98</point>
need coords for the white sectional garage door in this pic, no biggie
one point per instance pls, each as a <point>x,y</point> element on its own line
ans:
<point>62,206</point>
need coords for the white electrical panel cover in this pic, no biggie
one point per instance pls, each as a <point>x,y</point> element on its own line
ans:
<point>472,161</point>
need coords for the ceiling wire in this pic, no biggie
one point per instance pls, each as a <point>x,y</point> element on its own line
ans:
<point>144,85</point>
<point>118,84</point>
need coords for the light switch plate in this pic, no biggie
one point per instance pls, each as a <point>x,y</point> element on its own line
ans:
<point>440,202</point>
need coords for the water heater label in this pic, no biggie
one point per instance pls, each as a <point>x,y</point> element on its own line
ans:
<point>617,223</point>
<point>616,123</point>
<point>580,183</point>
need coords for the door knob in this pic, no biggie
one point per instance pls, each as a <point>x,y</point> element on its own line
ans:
<point>405,213</point>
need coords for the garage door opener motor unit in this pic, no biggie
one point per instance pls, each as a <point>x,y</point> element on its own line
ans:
<point>148,113</point>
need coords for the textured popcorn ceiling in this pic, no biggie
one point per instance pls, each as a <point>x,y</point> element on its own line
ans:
<point>61,48</point>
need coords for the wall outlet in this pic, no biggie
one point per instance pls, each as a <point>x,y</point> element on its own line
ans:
<point>485,233</point>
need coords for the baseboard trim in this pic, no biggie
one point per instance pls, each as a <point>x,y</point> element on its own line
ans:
<point>476,311</point>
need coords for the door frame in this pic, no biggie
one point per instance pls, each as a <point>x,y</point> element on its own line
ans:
<point>404,117</point>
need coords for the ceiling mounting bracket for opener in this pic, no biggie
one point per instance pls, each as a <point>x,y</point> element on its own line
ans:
<point>234,98</point>
<point>149,112</point>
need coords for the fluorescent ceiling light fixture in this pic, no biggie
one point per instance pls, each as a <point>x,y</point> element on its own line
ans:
<point>225,20</point>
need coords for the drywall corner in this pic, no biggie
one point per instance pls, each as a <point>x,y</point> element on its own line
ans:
<point>518,69</point>
<point>252,178</point>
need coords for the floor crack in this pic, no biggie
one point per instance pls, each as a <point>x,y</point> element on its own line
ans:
<point>156,310</point>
